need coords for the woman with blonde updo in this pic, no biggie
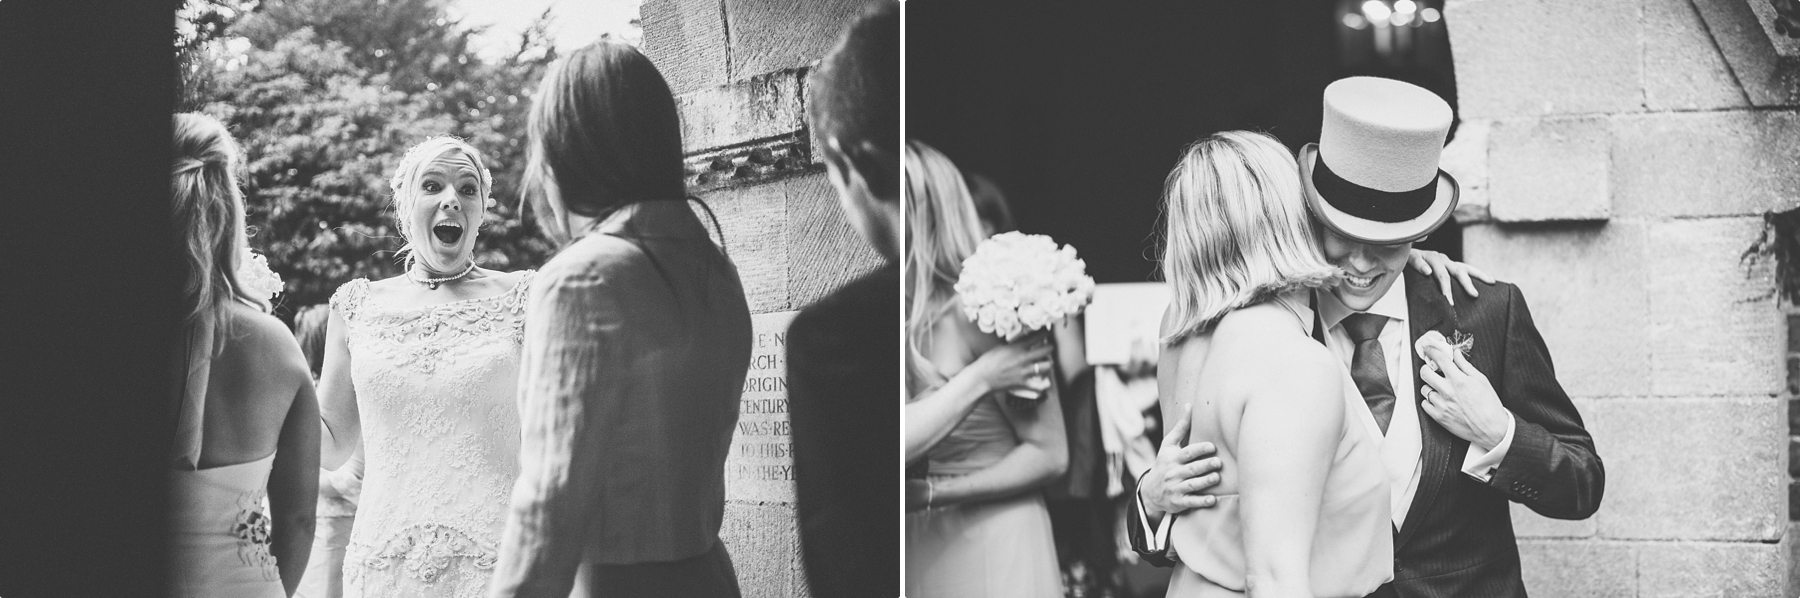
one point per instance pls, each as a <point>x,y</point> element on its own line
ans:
<point>245,409</point>
<point>422,369</point>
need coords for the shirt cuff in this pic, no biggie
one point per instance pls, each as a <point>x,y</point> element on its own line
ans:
<point>1481,465</point>
<point>1156,538</point>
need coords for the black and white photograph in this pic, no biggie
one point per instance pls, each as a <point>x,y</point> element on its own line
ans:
<point>917,298</point>
<point>1409,298</point>
<point>480,298</point>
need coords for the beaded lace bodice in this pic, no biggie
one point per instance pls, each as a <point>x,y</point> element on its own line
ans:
<point>435,389</point>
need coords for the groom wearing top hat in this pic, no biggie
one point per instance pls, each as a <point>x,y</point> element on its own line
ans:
<point>1466,431</point>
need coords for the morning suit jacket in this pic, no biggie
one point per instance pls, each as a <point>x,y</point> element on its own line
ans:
<point>636,344</point>
<point>1457,540</point>
<point>843,370</point>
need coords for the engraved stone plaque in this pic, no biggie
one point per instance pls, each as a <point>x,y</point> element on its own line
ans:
<point>761,465</point>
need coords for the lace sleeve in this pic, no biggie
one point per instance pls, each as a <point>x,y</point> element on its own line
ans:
<point>349,298</point>
<point>522,305</point>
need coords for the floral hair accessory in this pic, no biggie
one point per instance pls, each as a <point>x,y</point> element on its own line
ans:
<point>258,279</point>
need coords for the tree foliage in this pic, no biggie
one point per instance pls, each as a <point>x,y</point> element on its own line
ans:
<point>326,96</point>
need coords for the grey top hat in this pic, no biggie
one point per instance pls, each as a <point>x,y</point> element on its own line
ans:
<point>1373,176</point>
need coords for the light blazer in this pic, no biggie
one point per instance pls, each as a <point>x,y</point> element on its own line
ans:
<point>636,345</point>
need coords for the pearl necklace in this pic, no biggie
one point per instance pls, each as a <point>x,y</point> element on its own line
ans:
<point>433,283</point>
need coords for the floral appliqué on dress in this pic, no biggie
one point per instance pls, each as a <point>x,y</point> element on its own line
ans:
<point>425,551</point>
<point>252,530</point>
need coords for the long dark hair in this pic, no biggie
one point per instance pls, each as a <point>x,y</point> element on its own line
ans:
<point>604,132</point>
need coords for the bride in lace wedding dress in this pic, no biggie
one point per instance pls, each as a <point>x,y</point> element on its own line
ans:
<point>422,369</point>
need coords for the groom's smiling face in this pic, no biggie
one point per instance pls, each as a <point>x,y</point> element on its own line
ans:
<point>1369,270</point>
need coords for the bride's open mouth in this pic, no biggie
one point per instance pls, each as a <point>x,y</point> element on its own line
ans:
<point>448,232</point>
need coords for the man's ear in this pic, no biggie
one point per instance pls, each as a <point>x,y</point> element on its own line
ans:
<point>865,158</point>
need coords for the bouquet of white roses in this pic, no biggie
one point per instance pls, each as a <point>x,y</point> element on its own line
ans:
<point>258,279</point>
<point>1017,283</point>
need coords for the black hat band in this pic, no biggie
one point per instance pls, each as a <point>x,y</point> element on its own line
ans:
<point>1371,204</point>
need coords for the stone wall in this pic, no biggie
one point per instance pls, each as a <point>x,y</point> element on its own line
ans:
<point>1618,157</point>
<point>738,69</point>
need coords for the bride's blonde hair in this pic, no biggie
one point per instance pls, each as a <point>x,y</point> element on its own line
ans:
<point>941,230</point>
<point>1237,232</point>
<point>405,186</point>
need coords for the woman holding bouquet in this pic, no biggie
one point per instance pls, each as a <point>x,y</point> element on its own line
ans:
<point>983,530</point>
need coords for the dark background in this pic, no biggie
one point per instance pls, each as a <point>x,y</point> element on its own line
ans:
<point>1079,110</point>
<point>88,284</point>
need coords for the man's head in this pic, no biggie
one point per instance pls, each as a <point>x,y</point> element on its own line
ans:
<point>1372,181</point>
<point>854,111</point>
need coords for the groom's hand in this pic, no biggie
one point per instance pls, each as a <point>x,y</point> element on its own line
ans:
<point>1462,400</point>
<point>1181,475</point>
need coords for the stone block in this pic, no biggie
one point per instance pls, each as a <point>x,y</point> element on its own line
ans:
<point>1793,376</point>
<point>1793,456</point>
<point>1767,78</point>
<point>744,111</point>
<point>1706,164</point>
<point>1692,469</point>
<point>771,35</point>
<point>1688,569</point>
<point>686,40</point>
<point>1579,569</point>
<point>1793,331</point>
<point>1683,69</point>
<point>1714,325</point>
<point>1585,287</point>
<point>1793,411</point>
<point>762,539</point>
<point>755,221</point>
<point>1793,500</point>
<point>1466,158</point>
<point>1549,169</point>
<point>1561,67</point>
<point>830,252</point>
<point>1792,544</point>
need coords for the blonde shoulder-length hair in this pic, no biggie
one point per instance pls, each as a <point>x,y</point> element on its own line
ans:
<point>941,231</point>
<point>1237,233</point>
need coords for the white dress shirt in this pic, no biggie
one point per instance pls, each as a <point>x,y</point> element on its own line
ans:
<point>1404,443</point>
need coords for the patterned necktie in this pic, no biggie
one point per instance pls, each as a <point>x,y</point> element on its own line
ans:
<point>1368,366</point>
